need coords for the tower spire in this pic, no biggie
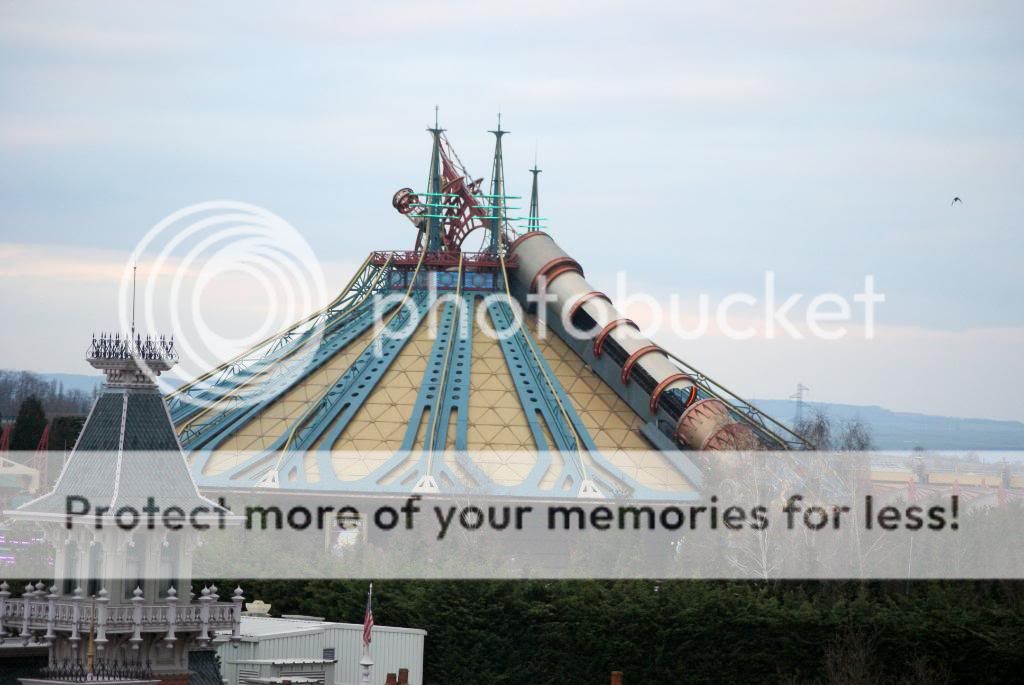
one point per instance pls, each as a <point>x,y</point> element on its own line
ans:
<point>135,269</point>
<point>497,199</point>
<point>435,186</point>
<point>533,224</point>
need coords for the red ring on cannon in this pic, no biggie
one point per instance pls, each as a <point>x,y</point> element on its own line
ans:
<point>627,367</point>
<point>555,268</point>
<point>586,297</point>
<point>661,387</point>
<point>600,337</point>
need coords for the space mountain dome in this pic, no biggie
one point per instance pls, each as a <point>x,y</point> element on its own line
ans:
<point>454,389</point>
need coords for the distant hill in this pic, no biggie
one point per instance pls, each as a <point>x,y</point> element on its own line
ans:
<point>904,430</point>
<point>75,381</point>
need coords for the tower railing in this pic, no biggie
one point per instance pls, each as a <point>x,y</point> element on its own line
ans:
<point>38,615</point>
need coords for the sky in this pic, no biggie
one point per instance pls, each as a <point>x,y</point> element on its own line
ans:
<point>692,146</point>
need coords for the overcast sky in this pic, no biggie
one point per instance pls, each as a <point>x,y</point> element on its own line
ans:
<point>693,147</point>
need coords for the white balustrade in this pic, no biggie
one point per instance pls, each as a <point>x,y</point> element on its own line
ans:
<point>41,611</point>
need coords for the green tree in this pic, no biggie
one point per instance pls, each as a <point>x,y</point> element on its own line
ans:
<point>576,632</point>
<point>64,432</point>
<point>29,425</point>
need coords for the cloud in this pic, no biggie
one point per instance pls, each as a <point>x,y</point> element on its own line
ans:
<point>61,263</point>
<point>21,131</point>
<point>400,20</point>
<point>76,264</point>
<point>75,291</point>
<point>683,87</point>
<point>82,34</point>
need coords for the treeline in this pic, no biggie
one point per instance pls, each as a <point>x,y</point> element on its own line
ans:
<point>31,422</point>
<point>560,632</point>
<point>29,403</point>
<point>657,632</point>
<point>18,386</point>
<point>823,433</point>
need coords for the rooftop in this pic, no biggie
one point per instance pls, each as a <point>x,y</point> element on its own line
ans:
<point>128,450</point>
<point>268,626</point>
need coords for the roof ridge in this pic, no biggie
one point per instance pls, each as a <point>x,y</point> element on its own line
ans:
<point>120,450</point>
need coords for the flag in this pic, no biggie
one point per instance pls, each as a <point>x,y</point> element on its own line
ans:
<point>368,619</point>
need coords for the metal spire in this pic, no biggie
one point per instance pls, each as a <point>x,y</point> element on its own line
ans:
<point>434,188</point>
<point>135,268</point>
<point>533,224</point>
<point>497,199</point>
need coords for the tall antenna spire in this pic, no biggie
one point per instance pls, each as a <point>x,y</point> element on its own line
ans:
<point>497,199</point>
<point>434,188</point>
<point>533,224</point>
<point>135,268</point>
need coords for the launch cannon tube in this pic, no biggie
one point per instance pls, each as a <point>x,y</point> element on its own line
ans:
<point>701,422</point>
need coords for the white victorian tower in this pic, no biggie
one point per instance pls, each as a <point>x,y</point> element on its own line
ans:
<point>120,607</point>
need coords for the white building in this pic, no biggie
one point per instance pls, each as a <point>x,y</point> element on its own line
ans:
<point>299,647</point>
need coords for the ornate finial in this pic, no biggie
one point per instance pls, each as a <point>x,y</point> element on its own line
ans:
<point>498,222</point>
<point>533,223</point>
<point>130,360</point>
<point>137,592</point>
<point>499,132</point>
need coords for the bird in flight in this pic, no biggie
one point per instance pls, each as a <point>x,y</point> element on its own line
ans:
<point>955,200</point>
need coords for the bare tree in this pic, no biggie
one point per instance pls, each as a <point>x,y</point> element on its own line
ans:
<point>855,437</point>
<point>816,429</point>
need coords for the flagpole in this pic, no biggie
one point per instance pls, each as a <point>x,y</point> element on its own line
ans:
<point>366,663</point>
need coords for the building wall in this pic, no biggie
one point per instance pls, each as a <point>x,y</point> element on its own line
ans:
<point>391,649</point>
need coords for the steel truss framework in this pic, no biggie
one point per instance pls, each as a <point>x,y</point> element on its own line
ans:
<point>419,465</point>
<point>438,422</point>
<point>275,364</point>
